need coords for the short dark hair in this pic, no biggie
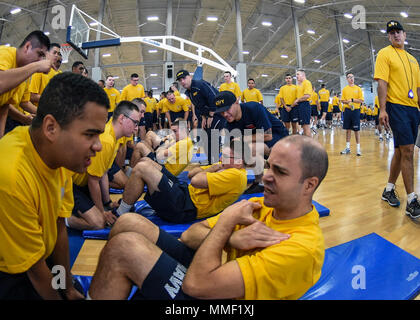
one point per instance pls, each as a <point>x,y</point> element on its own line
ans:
<point>38,39</point>
<point>65,98</point>
<point>228,72</point>
<point>287,75</point>
<point>251,79</point>
<point>241,149</point>
<point>76,64</point>
<point>54,44</point>
<point>347,73</point>
<point>102,81</point>
<point>125,107</point>
<point>134,75</point>
<point>323,85</point>
<point>139,100</point>
<point>313,157</point>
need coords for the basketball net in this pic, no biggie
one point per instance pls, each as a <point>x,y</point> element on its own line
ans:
<point>65,52</point>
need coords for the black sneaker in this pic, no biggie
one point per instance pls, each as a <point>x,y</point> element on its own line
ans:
<point>255,188</point>
<point>413,209</point>
<point>391,198</point>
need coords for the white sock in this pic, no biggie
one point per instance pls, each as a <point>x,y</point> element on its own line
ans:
<point>66,222</point>
<point>389,186</point>
<point>358,147</point>
<point>123,208</point>
<point>88,296</point>
<point>347,145</point>
<point>411,197</point>
<point>128,171</point>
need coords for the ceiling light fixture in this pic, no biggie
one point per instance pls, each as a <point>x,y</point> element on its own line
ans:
<point>348,16</point>
<point>284,56</point>
<point>266,23</point>
<point>404,14</point>
<point>310,31</point>
<point>346,41</point>
<point>211,18</point>
<point>106,55</point>
<point>317,61</point>
<point>16,11</point>
<point>152,18</point>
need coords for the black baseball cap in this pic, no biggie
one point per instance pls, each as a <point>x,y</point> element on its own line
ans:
<point>224,101</point>
<point>182,74</point>
<point>393,25</point>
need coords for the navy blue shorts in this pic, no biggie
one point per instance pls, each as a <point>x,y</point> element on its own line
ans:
<point>329,116</point>
<point>404,122</point>
<point>176,115</point>
<point>294,114</point>
<point>17,287</point>
<point>351,119</point>
<point>314,110</point>
<point>111,172</point>
<point>148,118</point>
<point>11,124</point>
<point>376,120</point>
<point>304,111</point>
<point>154,120</point>
<point>285,115</point>
<point>172,202</point>
<point>324,107</point>
<point>82,200</point>
<point>336,109</point>
<point>276,137</point>
<point>164,281</point>
<point>362,116</point>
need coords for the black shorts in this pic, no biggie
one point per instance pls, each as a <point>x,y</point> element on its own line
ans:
<point>148,118</point>
<point>324,107</point>
<point>164,281</point>
<point>113,171</point>
<point>17,287</point>
<point>82,200</point>
<point>172,202</point>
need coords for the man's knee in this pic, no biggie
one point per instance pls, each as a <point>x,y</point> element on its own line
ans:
<point>407,151</point>
<point>94,218</point>
<point>130,222</point>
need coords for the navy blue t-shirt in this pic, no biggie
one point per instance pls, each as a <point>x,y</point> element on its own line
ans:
<point>256,116</point>
<point>202,96</point>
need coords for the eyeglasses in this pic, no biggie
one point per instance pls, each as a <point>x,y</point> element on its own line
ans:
<point>136,123</point>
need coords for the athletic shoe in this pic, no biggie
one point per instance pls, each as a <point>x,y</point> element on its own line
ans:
<point>413,209</point>
<point>359,153</point>
<point>381,139</point>
<point>345,151</point>
<point>391,197</point>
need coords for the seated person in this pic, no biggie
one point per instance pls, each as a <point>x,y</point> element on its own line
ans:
<point>254,117</point>
<point>274,245</point>
<point>36,187</point>
<point>91,189</point>
<point>212,188</point>
<point>173,151</point>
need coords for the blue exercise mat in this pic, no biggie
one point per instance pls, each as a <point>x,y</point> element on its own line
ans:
<point>76,241</point>
<point>367,268</point>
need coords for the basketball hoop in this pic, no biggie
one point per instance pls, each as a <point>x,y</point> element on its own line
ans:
<point>65,52</point>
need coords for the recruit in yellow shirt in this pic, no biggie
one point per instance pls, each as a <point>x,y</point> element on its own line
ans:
<point>39,82</point>
<point>353,92</point>
<point>336,101</point>
<point>284,271</point>
<point>7,62</point>
<point>32,198</point>
<point>304,88</point>
<point>131,92</point>
<point>224,188</point>
<point>277,101</point>
<point>232,87</point>
<point>103,159</point>
<point>150,104</point>
<point>394,66</point>
<point>252,95</point>
<point>179,105</point>
<point>114,97</point>
<point>314,98</point>
<point>288,93</point>
<point>324,95</point>
<point>180,155</point>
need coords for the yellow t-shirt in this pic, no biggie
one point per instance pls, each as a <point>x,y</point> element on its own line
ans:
<point>114,97</point>
<point>336,101</point>
<point>375,111</point>
<point>377,102</point>
<point>287,270</point>
<point>176,93</point>
<point>180,155</point>
<point>179,105</point>
<point>232,87</point>
<point>369,111</point>
<point>150,104</point>
<point>288,93</point>
<point>225,187</point>
<point>314,98</point>
<point>131,92</point>
<point>324,95</point>
<point>330,108</point>
<point>354,92</point>
<point>39,82</point>
<point>394,66</point>
<point>32,198</point>
<point>103,159</point>
<point>21,95</point>
<point>7,62</point>
<point>277,101</point>
<point>251,95</point>
<point>304,88</point>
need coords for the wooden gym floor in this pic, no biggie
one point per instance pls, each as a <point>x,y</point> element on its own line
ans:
<point>351,190</point>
